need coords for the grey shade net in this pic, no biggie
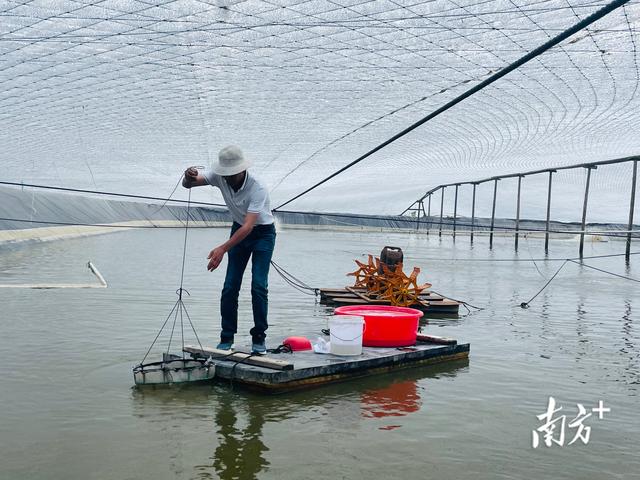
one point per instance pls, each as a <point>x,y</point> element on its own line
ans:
<point>32,208</point>
<point>122,96</point>
<point>24,209</point>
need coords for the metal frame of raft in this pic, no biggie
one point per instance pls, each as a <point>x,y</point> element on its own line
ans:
<point>303,370</point>
<point>429,301</point>
<point>174,369</point>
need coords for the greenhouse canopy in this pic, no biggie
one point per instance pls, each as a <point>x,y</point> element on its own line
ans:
<point>122,96</point>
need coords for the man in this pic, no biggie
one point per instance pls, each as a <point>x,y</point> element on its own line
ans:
<point>253,234</point>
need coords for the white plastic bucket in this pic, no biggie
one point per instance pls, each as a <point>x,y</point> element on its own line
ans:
<point>346,334</point>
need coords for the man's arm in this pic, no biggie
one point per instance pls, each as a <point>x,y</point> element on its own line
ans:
<point>193,178</point>
<point>216,255</point>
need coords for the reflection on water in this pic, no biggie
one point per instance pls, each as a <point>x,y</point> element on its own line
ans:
<point>629,348</point>
<point>397,400</point>
<point>238,417</point>
<point>240,451</point>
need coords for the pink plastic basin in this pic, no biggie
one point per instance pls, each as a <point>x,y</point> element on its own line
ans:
<point>386,326</point>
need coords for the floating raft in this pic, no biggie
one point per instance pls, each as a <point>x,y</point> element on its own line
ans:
<point>429,301</point>
<point>301,370</point>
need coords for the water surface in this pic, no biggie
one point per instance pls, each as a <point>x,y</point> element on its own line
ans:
<point>69,409</point>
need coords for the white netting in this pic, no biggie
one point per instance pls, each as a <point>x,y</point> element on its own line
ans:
<point>122,95</point>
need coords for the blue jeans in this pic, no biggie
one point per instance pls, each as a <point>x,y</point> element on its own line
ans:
<point>259,246</point>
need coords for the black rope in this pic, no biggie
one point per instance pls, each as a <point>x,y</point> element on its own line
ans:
<point>496,76</point>
<point>283,348</point>
<point>295,282</point>
<point>169,198</point>
<point>299,282</point>
<point>526,304</point>
<point>604,271</point>
<point>238,362</point>
<point>466,304</point>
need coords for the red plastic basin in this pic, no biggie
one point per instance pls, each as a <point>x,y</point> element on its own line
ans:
<point>386,326</point>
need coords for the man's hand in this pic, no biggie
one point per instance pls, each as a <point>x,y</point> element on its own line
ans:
<point>215,257</point>
<point>190,177</point>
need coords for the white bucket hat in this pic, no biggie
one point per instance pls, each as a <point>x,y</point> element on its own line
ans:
<point>230,162</point>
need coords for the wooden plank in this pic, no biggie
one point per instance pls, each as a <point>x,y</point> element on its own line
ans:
<point>240,357</point>
<point>358,301</point>
<point>431,297</point>
<point>342,295</point>
<point>351,292</point>
<point>433,339</point>
<point>449,304</point>
<point>360,295</point>
<point>349,296</point>
<point>332,290</point>
<point>430,302</point>
<point>424,303</point>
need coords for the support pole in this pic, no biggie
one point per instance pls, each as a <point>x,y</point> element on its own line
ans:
<point>455,213</point>
<point>473,210</point>
<point>429,216</point>
<point>441,209</point>
<point>546,229</point>
<point>584,209</point>
<point>631,208</point>
<point>493,212</point>
<point>420,206</point>
<point>518,211</point>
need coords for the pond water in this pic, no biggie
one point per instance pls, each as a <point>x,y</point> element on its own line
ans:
<point>70,411</point>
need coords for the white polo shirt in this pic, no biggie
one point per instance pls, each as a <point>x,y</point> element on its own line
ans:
<point>252,197</point>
